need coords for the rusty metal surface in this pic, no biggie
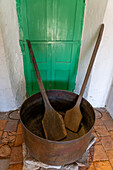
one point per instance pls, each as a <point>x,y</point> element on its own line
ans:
<point>55,152</point>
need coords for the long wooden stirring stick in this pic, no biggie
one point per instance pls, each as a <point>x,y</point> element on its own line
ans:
<point>52,122</point>
<point>73,116</point>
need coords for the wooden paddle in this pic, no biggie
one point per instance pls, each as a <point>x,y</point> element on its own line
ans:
<point>52,122</point>
<point>73,116</point>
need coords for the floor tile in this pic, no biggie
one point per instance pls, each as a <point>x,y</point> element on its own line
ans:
<point>91,167</point>
<point>99,153</point>
<point>5,151</point>
<point>19,140</point>
<point>110,154</point>
<point>103,165</point>
<point>1,136</point>
<point>97,114</point>
<point>12,138</point>
<point>15,167</point>
<point>98,122</point>
<point>9,138</point>
<point>107,142</point>
<point>19,129</point>
<point>5,138</point>
<point>2,124</point>
<point>111,133</point>
<point>4,164</point>
<point>14,115</point>
<point>11,125</point>
<point>106,116</point>
<point>101,130</point>
<point>4,115</point>
<point>108,124</point>
<point>1,133</point>
<point>16,155</point>
<point>98,138</point>
<point>12,133</point>
<point>111,162</point>
<point>88,167</point>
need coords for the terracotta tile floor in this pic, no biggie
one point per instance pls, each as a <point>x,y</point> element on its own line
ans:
<point>100,154</point>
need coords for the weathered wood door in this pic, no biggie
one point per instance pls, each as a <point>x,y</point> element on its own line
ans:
<point>54,28</point>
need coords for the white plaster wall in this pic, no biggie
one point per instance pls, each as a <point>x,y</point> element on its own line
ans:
<point>6,95</point>
<point>109,103</point>
<point>103,70</point>
<point>109,44</point>
<point>12,55</point>
<point>97,12</point>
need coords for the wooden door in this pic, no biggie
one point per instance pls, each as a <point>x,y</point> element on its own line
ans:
<point>54,28</point>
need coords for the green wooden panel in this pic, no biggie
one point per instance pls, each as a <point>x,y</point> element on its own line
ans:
<point>64,12</point>
<point>61,81</point>
<point>79,20</point>
<point>64,65</point>
<point>54,28</point>
<point>43,62</point>
<point>35,87</point>
<point>61,54</point>
<point>37,19</point>
<point>53,19</point>
<point>40,51</point>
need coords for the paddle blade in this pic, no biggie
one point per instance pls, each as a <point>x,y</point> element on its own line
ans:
<point>53,126</point>
<point>73,118</point>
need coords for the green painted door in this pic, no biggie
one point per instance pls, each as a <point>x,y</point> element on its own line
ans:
<point>54,28</point>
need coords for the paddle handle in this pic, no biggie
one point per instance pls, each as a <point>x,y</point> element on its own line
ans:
<point>90,64</point>
<point>42,89</point>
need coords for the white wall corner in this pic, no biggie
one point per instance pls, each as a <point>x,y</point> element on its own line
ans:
<point>103,70</point>
<point>96,87</point>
